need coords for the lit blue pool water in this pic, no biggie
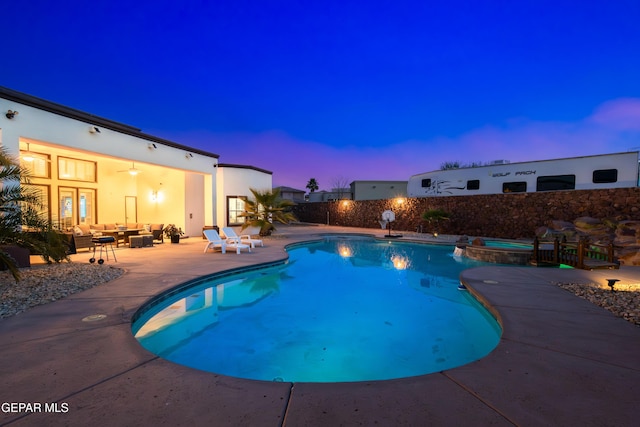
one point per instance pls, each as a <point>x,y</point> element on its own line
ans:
<point>508,244</point>
<point>340,310</point>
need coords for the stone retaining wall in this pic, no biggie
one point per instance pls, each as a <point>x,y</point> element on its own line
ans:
<point>509,216</point>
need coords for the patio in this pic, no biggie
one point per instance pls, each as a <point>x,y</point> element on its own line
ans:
<point>561,360</point>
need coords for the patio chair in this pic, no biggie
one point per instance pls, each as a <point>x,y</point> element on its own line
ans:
<point>214,241</point>
<point>157,231</point>
<point>230,233</point>
<point>247,233</point>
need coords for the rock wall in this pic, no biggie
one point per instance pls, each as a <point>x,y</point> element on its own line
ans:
<point>509,216</point>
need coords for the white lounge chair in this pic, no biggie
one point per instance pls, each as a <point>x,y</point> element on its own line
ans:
<point>230,233</point>
<point>245,235</point>
<point>215,241</point>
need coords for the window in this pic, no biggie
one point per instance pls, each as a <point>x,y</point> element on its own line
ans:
<point>603,176</point>
<point>43,193</point>
<point>76,170</point>
<point>36,163</point>
<point>556,182</point>
<point>76,206</point>
<point>426,182</point>
<point>86,208</point>
<point>473,184</point>
<point>514,187</point>
<point>235,206</point>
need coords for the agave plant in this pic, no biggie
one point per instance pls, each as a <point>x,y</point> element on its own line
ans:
<point>19,207</point>
<point>266,208</point>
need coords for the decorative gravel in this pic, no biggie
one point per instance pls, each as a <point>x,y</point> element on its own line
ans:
<point>624,301</point>
<point>43,284</point>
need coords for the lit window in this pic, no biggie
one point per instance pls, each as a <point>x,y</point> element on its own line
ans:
<point>76,170</point>
<point>235,207</point>
<point>514,187</point>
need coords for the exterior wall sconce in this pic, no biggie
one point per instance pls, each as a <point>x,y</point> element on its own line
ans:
<point>156,196</point>
<point>94,129</point>
<point>152,146</point>
<point>188,156</point>
<point>11,114</point>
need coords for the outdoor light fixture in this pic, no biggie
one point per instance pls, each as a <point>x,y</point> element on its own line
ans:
<point>188,156</point>
<point>94,129</point>
<point>11,114</point>
<point>151,146</point>
<point>27,156</point>
<point>157,196</point>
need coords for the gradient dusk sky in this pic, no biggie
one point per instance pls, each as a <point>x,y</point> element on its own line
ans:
<point>342,90</point>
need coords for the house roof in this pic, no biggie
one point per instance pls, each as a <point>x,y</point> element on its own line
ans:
<point>290,190</point>
<point>82,116</point>
<point>229,165</point>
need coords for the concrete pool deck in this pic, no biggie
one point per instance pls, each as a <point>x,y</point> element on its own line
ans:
<point>561,359</point>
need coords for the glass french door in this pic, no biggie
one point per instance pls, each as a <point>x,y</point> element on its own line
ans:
<point>77,206</point>
<point>67,207</point>
<point>87,208</point>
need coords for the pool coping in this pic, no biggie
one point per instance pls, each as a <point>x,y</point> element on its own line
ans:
<point>561,360</point>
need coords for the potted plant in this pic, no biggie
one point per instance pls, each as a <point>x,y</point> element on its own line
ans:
<point>173,232</point>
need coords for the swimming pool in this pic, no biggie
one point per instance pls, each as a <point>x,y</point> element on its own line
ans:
<point>508,244</point>
<point>341,309</point>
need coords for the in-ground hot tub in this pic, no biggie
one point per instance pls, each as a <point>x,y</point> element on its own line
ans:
<point>500,252</point>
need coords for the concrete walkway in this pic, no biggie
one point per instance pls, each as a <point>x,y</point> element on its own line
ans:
<point>561,361</point>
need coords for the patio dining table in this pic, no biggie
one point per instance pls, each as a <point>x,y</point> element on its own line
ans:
<point>124,234</point>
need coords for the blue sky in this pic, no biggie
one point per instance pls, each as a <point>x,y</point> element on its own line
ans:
<point>342,90</point>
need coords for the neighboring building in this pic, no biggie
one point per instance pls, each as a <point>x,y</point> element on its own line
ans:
<point>94,170</point>
<point>233,188</point>
<point>334,194</point>
<point>378,190</point>
<point>288,193</point>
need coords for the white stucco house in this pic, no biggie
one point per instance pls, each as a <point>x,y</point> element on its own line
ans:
<point>94,170</point>
<point>233,188</point>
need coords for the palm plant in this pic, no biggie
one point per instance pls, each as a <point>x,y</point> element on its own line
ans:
<point>266,208</point>
<point>312,185</point>
<point>19,207</point>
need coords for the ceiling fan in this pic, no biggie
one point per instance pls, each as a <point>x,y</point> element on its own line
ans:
<point>133,171</point>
